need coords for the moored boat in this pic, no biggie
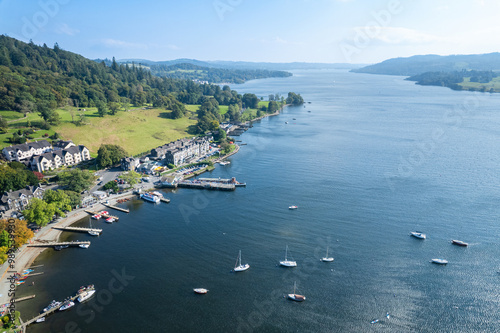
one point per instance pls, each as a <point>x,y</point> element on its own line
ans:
<point>96,216</point>
<point>84,246</point>
<point>459,242</point>
<point>327,258</point>
<point>296,297</point>
<point>238,267</point>
<point>60,247</point>
<point>85,295</point>
<point>52,305</point>
<point>200,290</point>
<point>40,320</point>
<point>286,262</point>
<point>293,207</point>
<point>66,305</point>
<point>110,220</point>
<point>150,197</point>
<point>418,234</point>
<point>439,261</point>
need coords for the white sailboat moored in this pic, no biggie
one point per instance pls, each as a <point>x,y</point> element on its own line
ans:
<point>238,267</point>
<point>286,262</point>
<point>327,258</point>
<point>296,297</point>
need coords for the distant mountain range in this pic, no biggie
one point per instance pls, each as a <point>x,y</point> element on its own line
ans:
<point>434,63</point>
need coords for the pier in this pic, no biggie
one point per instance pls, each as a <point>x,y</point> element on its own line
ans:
<point>17,300</point>
<point>103,215</point>
<point>54,309</point>
<point>206,185</point>
<point>222,181</point>
<point>77,229</point>
<point>117,208</point>
<point>48,244</point>
<point>167,200</point>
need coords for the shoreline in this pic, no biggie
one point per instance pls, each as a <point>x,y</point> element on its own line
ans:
<point>27,255</point>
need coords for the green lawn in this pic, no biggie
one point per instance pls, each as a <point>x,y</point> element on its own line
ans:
<point>136,131</point>
<point>493,84</point>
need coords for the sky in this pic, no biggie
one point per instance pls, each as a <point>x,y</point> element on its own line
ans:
<point>327,31</point>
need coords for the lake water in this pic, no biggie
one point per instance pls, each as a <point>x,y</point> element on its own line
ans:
<point>375,158</point>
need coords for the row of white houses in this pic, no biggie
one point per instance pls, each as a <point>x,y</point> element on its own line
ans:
<point>41,155</point>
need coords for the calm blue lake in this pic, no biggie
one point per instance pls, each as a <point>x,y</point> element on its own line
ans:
<point>375,158</point>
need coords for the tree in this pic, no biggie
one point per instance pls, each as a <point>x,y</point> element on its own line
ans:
<point>74,198</point>
<point>3,124</point>
<point>101,109</point>
<point>109,155</point>
<point>250,101</point>
<point>131,177</point>
<point>113,108</point>
<point>59,198</point>
<point>178,110</point>
<point>40,212</point>
<point>112,185</point>
<point>272,107</point>
<point>75,180</point>
<point>4,239</point>
<point>294,99</point>
<point>21,235</point>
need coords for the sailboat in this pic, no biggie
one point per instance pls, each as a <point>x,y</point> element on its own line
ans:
<point>294,296</point>
<point>286,262</point>
<point>327,258</point>
<point>238,267</point>
<point>93,232</point>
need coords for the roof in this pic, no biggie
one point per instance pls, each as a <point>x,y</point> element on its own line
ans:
<point>27,146</point>
<point>62,144</point>
<point>27,191</point>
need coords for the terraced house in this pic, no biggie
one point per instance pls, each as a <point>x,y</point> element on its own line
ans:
<point>25,151</point>
<point>58,158</point>
<point>183,150</point>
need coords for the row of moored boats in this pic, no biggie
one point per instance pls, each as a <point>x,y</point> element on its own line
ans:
<point>439,261</point>
<point>84,293</point>
<point>239,267</point>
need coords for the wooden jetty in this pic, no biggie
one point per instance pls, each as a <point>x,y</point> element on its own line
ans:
<point>17,300</point>
<point>36,266</point>
<point>48,244</point>
<point>206,185</point>
<point>103,215</point>
<point>54,309</point>
<point>223,181</point>
<point>167,200</point>
<point>77,229</point>
<point>117,208</point>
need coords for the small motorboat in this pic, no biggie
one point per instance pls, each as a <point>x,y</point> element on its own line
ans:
<point>60,247</point>
<point>110,220</point>
<point>388,315</point>
<point>85,295</point>
<point>224,162</point>
<point>67,305</point>
<point>96,216</point>
<point>459,242</point>
<point>293,207</point>
<point>286,122</point>
<point>418,234</point>
<point>439,261</point>
<point>84,246</point>
<point>200,290</point>
<point>40,320</point>
<point>374,321</point>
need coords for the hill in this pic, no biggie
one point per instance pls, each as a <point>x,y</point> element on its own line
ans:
<point>434,63</point>
<point>213,75</point>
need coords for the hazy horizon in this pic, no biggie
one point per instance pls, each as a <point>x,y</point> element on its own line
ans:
<point>323,31</point>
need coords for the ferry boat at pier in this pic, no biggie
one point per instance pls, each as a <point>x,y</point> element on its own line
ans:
<point>68,304</point>
<point>52,305</point>
<point>150,197</point>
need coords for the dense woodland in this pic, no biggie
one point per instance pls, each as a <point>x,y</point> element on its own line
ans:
<point>39,79</point>
<point>213,75</point>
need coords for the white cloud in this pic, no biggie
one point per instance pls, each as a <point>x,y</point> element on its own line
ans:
<point>64,29</point>
<point>109,42</point>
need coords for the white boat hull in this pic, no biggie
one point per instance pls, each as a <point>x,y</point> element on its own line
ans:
<point>439,261</point>
<point>84,246</point>
<point>418,235</point>
<point>327,259</point>
<point>85,295</point>
<point>200,290</point>
<point>242,268</point>
<point>288,263</point>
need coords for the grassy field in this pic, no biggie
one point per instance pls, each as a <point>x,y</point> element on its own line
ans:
<point>493,84</point>
<point>137,130</point>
